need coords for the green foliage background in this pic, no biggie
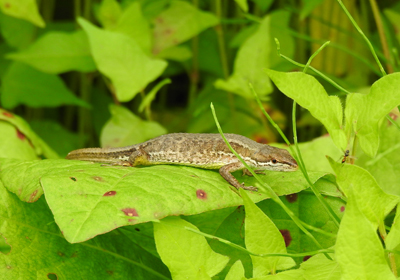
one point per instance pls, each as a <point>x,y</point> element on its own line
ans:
<point>114,73</point>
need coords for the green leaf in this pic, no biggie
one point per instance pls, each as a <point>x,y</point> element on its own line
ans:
<point>24,134</point>
<point>236,272</point>
<point>120,58</point>
<point>294,274</point>
<point>58,52</point>
<point>180,22</point>
<point>364,112</point>
<point>108,13</point>
<point>307,207</point>
<point>81,191</point>
<point>14,144</point>
<point>262,237</point>
<point>124,129</point>
<point>225,223</point>
<point>251,59</point>
<point>372,201</point>
<point>186,253</point>
<point>243,5</point>
<point>319,267</point>
<point>16,32</point>
<point>314,153</point>
<point>178,53</point>
<point>152,94</point>
<point>310,94</point>
<point>24,9</point>
<point>359,251</point>
<point>135,25</point>
<point>385,167</point>
<point>393,238</point>
<point>25,85</point>
<point>36,242</point>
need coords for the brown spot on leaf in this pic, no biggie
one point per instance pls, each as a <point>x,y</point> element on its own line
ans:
<point>7,5</point>
<point>201,194</point>
<point>286,236</point>
<point>110,193</point>
<point>8,266</point>
<point>306,258</point>
<point>342,209</point>
<point>33,195</point>
<point>20,135</point>
<point>73,179</point>
<point>98,178</point>
<point>130,212</point>
<point>8,114</point>
<point>61,254</point>
<point>74,255</point>
<point>137,229</point>
<point>291,197</point>
<point>110,272</point>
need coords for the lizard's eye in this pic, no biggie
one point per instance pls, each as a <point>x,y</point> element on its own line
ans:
<point>274,160</point>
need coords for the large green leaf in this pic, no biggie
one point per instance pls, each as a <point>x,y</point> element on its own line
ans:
<point>372,201</point>
<point>358,249</point>
<point>124,129</point>
<point>186,253</point>
<point>250,62</point>
<point>263,237</point>
<point>180,22</point>
<point>310,94</point>
<point>39,250</point>
<point>58,52</point>
<point>24,9</point>
<point>120,58</point>
<point>89,199</point>
<point>23,84</point>
<point>364,112</point>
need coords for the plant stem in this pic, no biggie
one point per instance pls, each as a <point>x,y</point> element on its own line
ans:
<point>194,72</point>
<point>233,245</point>
<point>363,35</point>
<point>381,32</point>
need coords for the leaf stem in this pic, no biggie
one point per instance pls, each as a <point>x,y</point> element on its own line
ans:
<point>240,248</point>
<point>363,35</point>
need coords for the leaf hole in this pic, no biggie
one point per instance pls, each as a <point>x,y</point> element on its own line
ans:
<point>4,247</point>
<point>52,276</point>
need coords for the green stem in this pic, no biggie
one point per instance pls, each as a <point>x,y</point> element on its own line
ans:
<point>266,187</point>
<point>363,35</point>
<point>240,248</point>
<point>381,32</point>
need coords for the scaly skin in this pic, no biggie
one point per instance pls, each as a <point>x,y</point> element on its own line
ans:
<point>207,151</point>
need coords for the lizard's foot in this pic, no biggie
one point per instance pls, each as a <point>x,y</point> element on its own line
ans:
<point>248,188</point>
<point>247,172</point>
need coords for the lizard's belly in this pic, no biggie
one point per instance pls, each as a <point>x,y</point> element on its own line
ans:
<point>200,160</point>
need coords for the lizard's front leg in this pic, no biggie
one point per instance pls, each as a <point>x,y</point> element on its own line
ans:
<point>225,172</point>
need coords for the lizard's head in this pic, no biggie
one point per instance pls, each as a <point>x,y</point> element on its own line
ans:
<point>272,158</point>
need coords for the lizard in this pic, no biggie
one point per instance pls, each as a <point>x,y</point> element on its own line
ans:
<point>202,150</point>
